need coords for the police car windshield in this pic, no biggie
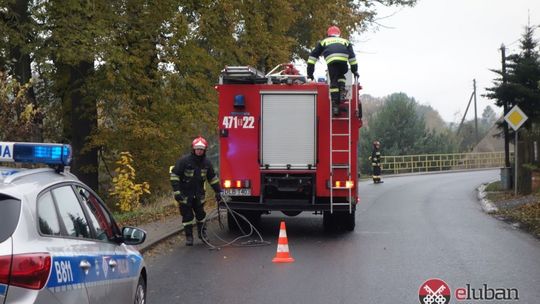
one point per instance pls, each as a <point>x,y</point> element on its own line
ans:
<point>10,209</point>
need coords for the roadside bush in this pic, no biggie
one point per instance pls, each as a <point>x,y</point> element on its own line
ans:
<point>124,189</point>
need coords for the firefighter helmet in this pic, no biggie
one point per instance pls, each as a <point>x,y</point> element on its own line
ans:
<point>333,31</point>
<point>199,143</point>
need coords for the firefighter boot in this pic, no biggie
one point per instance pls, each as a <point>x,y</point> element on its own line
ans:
<point>334,96</point>
<point>335,108</point>
<point>343,97</point>
<point>342,92</point>
<point>189,235</point>
<point>201,231</point>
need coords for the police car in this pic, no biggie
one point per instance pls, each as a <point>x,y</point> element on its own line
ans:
<point>58,241</point>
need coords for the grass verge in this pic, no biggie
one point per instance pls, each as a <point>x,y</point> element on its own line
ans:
<point>524,210</point>
<point>157,211</point>
<point>528,216</point>
<point>146,214</point>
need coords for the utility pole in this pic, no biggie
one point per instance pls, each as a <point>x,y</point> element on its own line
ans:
<point>475,114</point>
<point>473,96</point>
<point>505,110</point>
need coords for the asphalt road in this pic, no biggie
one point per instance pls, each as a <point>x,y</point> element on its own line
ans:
<point>409,229</point>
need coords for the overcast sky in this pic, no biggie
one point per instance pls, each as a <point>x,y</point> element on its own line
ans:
<point>433,51</point>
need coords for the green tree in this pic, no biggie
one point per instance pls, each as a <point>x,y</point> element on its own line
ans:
<point>467,136</point>
<point>433,119</point>
<point>400,127</point>
<point>523,75</point>
<point>137,97</point>
<point>72,29</point>
<point>521,88</point>
<point>17,112</point>
<point>15,53</point>
<point>16,24</point>
<point>438,142</point>
<point>397,125</point>
<point>489,117</point>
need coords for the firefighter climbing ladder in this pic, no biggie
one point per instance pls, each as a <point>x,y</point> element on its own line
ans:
<point>334,166</point>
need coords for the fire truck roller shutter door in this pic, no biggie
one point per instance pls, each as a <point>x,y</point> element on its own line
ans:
<point>288,129</point>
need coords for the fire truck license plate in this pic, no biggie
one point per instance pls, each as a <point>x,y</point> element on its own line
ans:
<point>237,192</point>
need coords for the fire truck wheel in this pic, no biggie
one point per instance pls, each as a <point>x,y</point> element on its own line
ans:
<point>342,220</point>
<point>291,213</point>
<point>329,221</point>
<point>348,220</point>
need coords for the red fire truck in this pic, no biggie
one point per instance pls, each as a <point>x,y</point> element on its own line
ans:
<point>282,149</point>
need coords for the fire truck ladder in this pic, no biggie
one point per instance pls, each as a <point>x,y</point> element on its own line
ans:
<point>339,167</point>
<point>241,74</point>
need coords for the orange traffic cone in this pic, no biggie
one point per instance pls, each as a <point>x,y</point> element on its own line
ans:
<point>282,255</point>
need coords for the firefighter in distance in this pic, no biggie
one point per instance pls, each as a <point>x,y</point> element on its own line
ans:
<point>187,179</point>
<point>376,162</point>
<point>337,52</point>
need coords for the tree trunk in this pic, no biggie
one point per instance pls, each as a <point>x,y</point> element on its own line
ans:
<point>20,61</point>
<point>80,119</point>
<point>526,158</point>
<point>524,173</point>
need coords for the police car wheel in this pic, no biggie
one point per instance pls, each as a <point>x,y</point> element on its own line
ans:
<point>140,292</point>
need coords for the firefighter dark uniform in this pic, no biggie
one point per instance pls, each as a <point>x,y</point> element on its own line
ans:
<point>187,179</point>
<point>376,162</point>
<point>337,52</point>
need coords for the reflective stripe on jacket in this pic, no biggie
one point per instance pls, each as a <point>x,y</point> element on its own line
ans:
<point>189,174</point>
<point>334,49</point>
<point>375,158</point>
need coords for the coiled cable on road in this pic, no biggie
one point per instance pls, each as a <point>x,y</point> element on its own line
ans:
<point>238,241</point>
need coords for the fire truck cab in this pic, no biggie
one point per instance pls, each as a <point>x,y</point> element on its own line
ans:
<point>282,149</point>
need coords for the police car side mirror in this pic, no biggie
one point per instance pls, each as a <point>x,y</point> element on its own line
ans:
<point>133,235</point>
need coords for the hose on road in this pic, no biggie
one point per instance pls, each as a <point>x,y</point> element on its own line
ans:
<point>244,240</point>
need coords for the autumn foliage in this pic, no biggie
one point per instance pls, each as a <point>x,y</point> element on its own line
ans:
<point>124,189</point>
<point>139,76</point>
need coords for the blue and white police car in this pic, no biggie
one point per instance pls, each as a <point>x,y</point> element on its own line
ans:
<point>58,241</point>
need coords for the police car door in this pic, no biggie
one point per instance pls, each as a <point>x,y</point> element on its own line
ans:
<point>109,274</point>
<point>61,223</point>
<point>90,254</point>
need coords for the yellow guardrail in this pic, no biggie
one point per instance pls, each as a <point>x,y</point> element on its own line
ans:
<point>441,162</point>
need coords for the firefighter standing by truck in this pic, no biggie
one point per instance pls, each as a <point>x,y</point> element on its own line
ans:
<point>376,162</point>
<point>337,52</point>
<point>187,179</point>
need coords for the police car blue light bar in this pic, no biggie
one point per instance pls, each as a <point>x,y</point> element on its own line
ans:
<point>43,153</point>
